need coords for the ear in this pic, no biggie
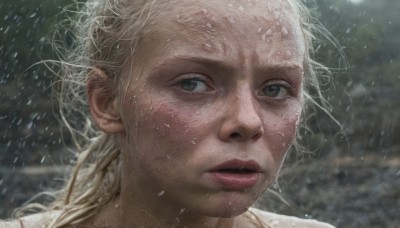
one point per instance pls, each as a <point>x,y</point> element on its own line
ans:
<point>103,102</point>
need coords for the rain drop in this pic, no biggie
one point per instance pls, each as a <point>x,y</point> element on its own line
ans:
<point>161,193</point>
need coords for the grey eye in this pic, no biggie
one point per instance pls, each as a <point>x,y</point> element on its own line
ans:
<point>275,91</point>
<point>193,85</point>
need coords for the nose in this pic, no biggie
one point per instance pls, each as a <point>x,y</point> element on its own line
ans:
<point>242,121</point>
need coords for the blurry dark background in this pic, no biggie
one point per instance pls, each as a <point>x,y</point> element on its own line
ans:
<point>351,179</point>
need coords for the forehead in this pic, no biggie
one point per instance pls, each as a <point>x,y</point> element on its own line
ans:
<point>263,30</point>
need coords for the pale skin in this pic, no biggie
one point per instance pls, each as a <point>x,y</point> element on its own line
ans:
<point>218,80</point>
<point>210,82</point>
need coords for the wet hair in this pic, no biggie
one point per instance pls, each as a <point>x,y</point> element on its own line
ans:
<point>102,32</point>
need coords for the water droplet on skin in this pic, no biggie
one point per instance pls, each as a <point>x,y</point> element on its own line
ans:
<point>161,193</point>
<point>209,25</point>
<point>167,125</point>
<point>208,47</point>
<point>230,19</point>
<point>259,30</point>
<point>269,32</point>
<point>204,11</point>
<point>43,158</point>
<point>284,32</point>
<point>230,5</point>
<point>288,54</point>
<point>241,9</point>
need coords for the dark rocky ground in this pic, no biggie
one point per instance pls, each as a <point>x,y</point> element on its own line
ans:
<point>347,192</point>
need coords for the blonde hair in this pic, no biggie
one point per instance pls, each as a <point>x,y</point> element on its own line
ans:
<point>102,29</point>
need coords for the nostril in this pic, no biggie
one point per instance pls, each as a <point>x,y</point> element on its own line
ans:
<point>256,136</point>
<point>235,135</point>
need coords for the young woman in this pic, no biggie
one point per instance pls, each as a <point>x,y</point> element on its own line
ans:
<point>197,103</point>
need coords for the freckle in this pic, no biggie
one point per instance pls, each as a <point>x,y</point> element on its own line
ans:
<point>259,30</point>
<point>284,32</point>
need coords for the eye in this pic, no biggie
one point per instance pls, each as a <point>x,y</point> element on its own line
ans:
<point>275,91</point>
<point>193,85</point>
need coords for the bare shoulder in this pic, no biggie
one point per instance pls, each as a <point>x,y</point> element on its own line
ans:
<point>39,220</point>
<point>282,221</point>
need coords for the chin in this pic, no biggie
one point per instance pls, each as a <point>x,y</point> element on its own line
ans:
<point>227,207</point>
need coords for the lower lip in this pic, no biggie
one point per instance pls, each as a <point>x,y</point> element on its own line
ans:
<point>235,181</point>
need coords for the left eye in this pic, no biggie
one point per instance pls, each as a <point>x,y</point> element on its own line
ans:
<point>193,85</point>
<point>275,91</point>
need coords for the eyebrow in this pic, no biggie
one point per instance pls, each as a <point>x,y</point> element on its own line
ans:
<point>216,64</point>
<point>280,68</point>
<point>229,66</point>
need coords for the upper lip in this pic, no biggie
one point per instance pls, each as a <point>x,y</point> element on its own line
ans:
<point>237,164</point>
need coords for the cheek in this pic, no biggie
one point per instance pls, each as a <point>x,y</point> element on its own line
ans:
<point>172,130</point>
<point>179,124</point>
<point>282,129</point>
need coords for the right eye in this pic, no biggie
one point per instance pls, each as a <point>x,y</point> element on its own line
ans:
<point>193,85</point>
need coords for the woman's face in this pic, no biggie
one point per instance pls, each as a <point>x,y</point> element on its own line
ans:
<point>211,104</point>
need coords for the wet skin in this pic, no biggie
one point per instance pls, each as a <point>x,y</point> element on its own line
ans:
<point>217,81</point>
